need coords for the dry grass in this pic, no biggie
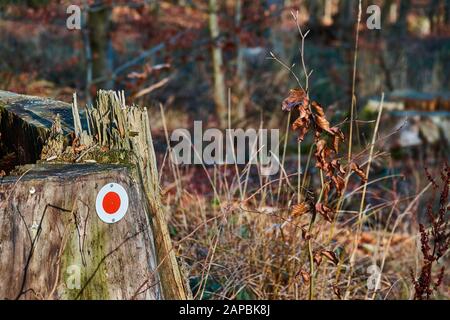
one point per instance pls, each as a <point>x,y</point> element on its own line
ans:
<point>255,249</point>
<point>253,245</point>
<point>239,237</point>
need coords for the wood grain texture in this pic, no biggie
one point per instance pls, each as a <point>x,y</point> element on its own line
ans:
<point>49,228</point>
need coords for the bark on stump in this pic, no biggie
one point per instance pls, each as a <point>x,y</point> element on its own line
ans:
<point>50,233</point>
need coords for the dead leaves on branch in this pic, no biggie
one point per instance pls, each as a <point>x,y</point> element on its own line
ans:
<point>306,235</point>
<point>327,140</point>
<point>320,119</point>
<point>327,254</point>
<point>302,123</point>
<point>356,169</point>
<point>325,212</point>
<point>338,137</point>
<point>300,209</point>
<point>305,275</point>
<point>296,98</point>
<point>331,256</point>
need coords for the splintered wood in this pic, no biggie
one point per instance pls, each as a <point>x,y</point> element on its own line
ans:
<point>108,132</point>
<point>115,126</point>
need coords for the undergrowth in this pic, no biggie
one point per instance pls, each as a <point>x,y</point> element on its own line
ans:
<point>324,228</point>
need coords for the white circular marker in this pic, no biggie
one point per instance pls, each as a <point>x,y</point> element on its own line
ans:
<point>112,203</point>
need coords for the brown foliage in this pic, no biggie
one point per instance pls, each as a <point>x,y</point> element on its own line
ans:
<point>296,98</point>
<point>330,255</point>
<point>305,276</point>
<point>355,168</point>
<point>300,209</point>
<point>327,140</point>
<point>435,241</point>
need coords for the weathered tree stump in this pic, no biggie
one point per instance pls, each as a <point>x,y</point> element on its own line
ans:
<point>54,246</point>
<point>54,229</point>
<point>24,126</point>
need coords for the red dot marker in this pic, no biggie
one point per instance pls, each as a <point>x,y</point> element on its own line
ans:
<point>111,202</point>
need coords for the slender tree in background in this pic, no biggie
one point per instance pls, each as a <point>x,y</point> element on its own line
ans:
<point>447,11</point>
<point>217,60</point>
<point>386,13</point>
<point>240,64</point>
<point>316,9</point>
<point>443,10</point>
<point>346,13</point>
<point>328,11</point>
<point>99,28</point>
<point>432,13</point>
<point>402,23</point>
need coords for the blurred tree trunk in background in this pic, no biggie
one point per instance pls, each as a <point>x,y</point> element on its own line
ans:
<point>398,51</point>
<point>275,34</point>
<point>217,60</point>
<point>328,12</point>
<point>316,10</point>
<point>346,13</point>
<point>345,26</point>
<point>240,64</point>
<point>442,13</point>
<point>279,38</point>
<point>447,11</point>
<point>438,14</point>
<point>432,13</point>
<point>387,16</point>
<point>402,23</point>
<point>99,27</point>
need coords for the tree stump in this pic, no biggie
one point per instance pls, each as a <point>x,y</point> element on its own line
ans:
<point>24,126</point>
<point>54,246</point>
<point>35,256</point>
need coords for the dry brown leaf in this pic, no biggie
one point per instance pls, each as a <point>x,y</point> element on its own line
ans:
<point>336,141</point>
<point>305,234</point>
<point>323,160</point>
<point>337,292</point>
<point>318,258</point>
<point>320,118</point>
<point>337,165</point>
<point>339,183</point>
<point>338,136</point>
<point>305,275</point>
<point>300,209</point>
<point>322,123</point>
<point>296,98</point>
<point>324,211</point>
<point>318,109</point>
<point>330,255</point>
<point>355,168</point>
<point>321,156</point>
<point>301,124</point>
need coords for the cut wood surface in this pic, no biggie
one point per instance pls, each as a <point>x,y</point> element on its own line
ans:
<point>24,126</point>
<point>54,246</point>
<point>37,111</point>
